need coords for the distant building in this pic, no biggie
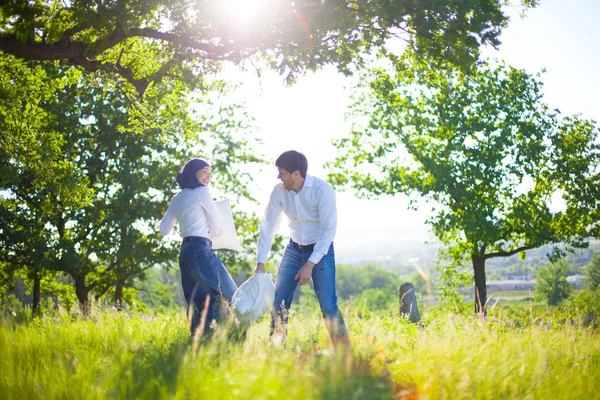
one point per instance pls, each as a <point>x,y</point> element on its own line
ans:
<point>576,280</point>
<point>514,277</point>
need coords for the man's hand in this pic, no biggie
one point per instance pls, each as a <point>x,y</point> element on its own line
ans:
<point>260,268</point>
<point>305,273</point>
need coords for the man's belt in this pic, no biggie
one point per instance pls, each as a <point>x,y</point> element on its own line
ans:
<point>308,247</point>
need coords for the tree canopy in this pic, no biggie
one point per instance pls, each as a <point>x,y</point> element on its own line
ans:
<point>484,148</point>
<point>86,176</point>
<point>80,176</point>
<point>144,41</point>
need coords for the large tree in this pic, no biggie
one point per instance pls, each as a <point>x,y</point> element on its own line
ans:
<point>82,187</point>
<point>484,148</point>
<point>144,41</point>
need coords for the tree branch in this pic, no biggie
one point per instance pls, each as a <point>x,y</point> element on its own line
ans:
<point>507,253</point>
<point>37,51</point>
<point>102,292</point>
<point>92,66</point>
<point>83,55</point>
<point>176,39</point>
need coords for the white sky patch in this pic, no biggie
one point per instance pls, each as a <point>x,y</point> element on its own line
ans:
<point>557,203</point>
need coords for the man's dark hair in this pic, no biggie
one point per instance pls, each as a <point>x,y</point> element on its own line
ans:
<point>293,161</point>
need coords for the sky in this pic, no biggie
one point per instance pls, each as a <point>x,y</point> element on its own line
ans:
<point>560,36</point>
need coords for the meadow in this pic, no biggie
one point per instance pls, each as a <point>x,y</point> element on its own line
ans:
<point>517,352</point>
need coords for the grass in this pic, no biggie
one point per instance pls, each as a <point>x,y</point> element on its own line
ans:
<point>114,355</point>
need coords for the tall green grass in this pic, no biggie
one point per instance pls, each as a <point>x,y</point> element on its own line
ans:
<point>114,355</point>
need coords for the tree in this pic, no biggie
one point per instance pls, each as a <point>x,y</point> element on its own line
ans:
<point>145,41</point>
<point>32,173</point>
<point>592,274</point>
<point>117,161</point>
<point>484,149</point>
<point>352,281</point>
<point>551,284</point>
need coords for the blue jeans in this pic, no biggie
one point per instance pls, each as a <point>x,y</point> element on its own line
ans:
<point>323,277</point>
<point>204,277</point>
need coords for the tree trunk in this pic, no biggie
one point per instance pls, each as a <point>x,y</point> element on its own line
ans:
<point>480,283</point>
<point>82,291</point>
<point>119,295</point>
<point>37,294</point>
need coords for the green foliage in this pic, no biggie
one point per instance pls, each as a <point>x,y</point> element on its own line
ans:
<point>160,290</point>
<point>367,288</point>
<point>480,147</point>
<point>54,284</point>
<point>146,41</point>
<point>86,205</point>
<point>34,174</point>
<point>351,281</point>
<point>592,274</point>
<point>551,284</point>
<point>584,305</point>
<point>376,299</point>
<point>451,266</point>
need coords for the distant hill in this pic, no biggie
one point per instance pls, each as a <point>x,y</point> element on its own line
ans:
<point>402,257</point>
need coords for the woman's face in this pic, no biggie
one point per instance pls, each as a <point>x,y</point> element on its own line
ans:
<point>203,176</point>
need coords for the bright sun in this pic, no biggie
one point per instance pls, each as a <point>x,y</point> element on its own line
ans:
<point>238,14</point>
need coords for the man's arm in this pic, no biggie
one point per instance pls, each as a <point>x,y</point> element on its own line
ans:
<point>268,227</point>
<point>328,224</point>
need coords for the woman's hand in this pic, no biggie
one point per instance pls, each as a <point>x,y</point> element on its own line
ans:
<point>217,233</point>
<point>171,232</point>
<point>260,269</point>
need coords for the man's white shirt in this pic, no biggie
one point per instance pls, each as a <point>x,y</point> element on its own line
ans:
<point>312,217</point>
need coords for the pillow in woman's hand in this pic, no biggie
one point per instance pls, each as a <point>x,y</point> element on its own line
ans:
<point>228,238</point>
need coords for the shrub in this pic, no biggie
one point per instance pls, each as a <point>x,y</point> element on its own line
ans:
<point>592,274</point>
<point>552,284</point>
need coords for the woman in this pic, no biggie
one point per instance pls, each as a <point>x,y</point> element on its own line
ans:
<point>206,283</point>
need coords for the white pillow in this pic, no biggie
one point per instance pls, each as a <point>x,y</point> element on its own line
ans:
<point>253,298</point>
<point>228,240</point>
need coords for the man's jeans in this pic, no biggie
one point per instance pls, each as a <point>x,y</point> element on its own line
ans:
<point>323,276</point>
<point>203,276</point>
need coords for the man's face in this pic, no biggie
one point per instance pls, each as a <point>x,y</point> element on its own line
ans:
<point>203,175</point>
<point>288,179</point>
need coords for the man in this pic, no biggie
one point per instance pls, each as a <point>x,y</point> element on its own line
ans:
<point>309,204</point>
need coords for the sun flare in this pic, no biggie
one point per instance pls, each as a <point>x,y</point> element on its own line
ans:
<point>241,13</point>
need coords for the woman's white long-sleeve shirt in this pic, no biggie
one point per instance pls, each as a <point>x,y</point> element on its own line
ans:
<point>312,215</point>
<point>195,212</point>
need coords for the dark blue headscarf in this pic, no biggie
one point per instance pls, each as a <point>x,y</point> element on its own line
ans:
<point>186,177</point>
